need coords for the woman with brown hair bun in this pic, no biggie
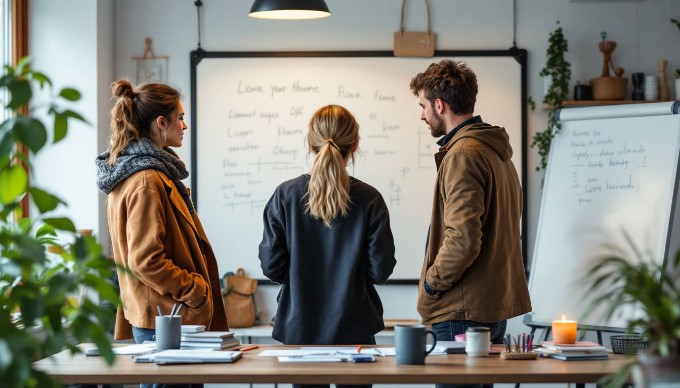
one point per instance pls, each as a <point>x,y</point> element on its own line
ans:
<point>327,240</point>
<point>155,231</point>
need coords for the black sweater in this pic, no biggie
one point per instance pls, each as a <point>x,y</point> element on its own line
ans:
<point>327,274</point>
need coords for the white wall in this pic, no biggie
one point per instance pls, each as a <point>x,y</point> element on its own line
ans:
<point>70,48</point>
<point>71,41</point>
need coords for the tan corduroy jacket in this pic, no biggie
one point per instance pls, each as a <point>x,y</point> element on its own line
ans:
<point>474,254</point>
<point>154,235</point>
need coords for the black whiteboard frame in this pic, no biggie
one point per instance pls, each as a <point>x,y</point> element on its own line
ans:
<point>520,55</point>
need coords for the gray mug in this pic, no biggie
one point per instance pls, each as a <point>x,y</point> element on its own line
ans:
<point>409,343</point>
<point>168,332</point>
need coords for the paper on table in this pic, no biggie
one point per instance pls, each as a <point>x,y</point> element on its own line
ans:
<point>315,358</point>
<point>135,349</point>
<point>319,351</point>
<point>190,356</point>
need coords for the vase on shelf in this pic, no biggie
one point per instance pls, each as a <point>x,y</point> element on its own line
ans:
<point>663,85</point>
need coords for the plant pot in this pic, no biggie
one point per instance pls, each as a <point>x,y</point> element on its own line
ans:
<point>609,88</point>
<point>656,371</point>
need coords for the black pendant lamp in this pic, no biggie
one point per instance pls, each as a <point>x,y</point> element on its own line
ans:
<point>289,9</point>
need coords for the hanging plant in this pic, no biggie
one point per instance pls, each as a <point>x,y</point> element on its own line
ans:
<point>559,69</point>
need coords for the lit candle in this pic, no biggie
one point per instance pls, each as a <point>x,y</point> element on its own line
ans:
<point>564,332</point>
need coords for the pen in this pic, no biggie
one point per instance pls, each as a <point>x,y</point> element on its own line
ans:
<point>160,314</point>
<point>248,347</point>
<point>179,308</point>
<point>172,310</point>
<point>358,349</point>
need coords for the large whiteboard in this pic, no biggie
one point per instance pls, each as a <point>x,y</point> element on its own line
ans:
<point>612,172</point>
<point>250,113</point>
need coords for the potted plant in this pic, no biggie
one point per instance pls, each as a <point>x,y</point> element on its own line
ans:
<point>39,314</point>
<point>558,69</point>
<point>617,282</point>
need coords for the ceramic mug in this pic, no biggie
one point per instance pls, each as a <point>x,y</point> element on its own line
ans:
<point>410,342</point>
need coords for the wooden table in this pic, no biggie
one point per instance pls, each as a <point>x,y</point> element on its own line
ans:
<point>80,369</point>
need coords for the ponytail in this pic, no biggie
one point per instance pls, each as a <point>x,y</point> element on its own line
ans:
<point>332,136</point>
<point>135,110</point>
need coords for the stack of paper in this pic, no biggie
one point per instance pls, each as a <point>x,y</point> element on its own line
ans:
<point>190,356</point>
<point>583,350</point>
<point>209,340</point>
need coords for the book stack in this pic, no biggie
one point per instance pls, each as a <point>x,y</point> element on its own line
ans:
<point>209,340</point>
<point>581,350</point>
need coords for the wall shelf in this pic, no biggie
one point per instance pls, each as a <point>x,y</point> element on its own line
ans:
<point>573,103</point>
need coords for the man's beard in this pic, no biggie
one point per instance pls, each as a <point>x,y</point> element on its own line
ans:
<point>437,126</point>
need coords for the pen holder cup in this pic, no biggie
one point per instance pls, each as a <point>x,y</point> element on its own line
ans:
<point>628,344</point>
<point>168,332</point>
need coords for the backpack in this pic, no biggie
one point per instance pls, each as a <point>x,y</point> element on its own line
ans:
<point>238,294</point>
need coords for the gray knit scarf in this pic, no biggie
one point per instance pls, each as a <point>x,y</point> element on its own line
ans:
<point>142,155</point>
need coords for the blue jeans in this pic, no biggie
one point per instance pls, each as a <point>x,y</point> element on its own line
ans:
<point>142,335</point>
<point>447,330</point>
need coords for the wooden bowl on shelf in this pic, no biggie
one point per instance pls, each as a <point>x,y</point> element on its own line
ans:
<point>609,88</point>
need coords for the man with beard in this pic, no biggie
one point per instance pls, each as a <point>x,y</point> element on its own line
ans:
<point>473,274</point>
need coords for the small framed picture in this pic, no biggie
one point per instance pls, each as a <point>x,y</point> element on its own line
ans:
<point>151,69</point>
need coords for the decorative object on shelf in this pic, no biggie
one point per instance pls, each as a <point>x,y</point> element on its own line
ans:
<point>149,67</point>
<point>638,90</point>
<point>617,282</point>
<point>663,84</point>
<point>559,69</point>
<point>677,71</point>
<point>606,87</point>
<point>40,275</point>
<point>414,43</point>
<point>651,88</point>
<point>582,92</point>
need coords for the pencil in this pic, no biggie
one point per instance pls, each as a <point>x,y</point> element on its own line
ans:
<point>248,347</point>
<point>358,349</point>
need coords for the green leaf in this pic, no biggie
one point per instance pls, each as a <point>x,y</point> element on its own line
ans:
<point>41,78</point>
<point>44,200</point>
<point>31,132</point>
<point>7,144</point>
<point>70,94</point>
<point>73,115</point>
<point>13,183</point>
<point>21,93</point>
<point>46,230</point>
<point>61,223</point>
<point>23,65</point>
<point>60,127</point>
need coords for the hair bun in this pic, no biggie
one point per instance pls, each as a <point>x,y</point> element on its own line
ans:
<point>123,88</point>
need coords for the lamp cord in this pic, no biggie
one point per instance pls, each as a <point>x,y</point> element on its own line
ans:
<point>198,4</point>
<point>514,23</point>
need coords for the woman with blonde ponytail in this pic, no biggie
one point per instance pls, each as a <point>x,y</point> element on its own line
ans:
<point>155,231</point>
<point>327,240</point>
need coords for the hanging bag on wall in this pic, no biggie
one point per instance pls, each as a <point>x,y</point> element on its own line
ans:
<point>414,43</point>
<point>238,295</point>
